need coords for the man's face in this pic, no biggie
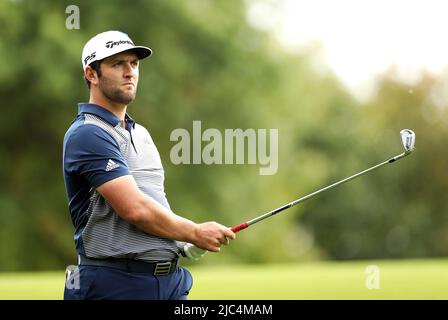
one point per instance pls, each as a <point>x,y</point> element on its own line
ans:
<point>119,77</point>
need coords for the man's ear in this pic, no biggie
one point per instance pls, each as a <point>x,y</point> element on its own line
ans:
<point>91,75</point>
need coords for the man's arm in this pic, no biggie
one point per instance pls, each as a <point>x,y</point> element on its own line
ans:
<point>145,213</point>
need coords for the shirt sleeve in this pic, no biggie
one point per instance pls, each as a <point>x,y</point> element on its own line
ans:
<point>94,155</point>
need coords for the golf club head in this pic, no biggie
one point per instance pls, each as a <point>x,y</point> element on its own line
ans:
<point>408,139</point>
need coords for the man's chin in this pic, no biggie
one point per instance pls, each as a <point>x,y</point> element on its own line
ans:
<point>124,97</point>
<point>127,101</point>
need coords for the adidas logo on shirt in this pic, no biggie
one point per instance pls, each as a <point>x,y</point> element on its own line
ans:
<point>111,165</point>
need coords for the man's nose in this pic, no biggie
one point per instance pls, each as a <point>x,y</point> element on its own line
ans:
<point>129,70</point>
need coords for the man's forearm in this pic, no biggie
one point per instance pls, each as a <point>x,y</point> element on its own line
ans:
<point>153,218</point>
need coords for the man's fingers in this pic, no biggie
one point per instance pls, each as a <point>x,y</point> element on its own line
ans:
<point>229,233</point>
<point>224,240</point>
<point>215,248</point>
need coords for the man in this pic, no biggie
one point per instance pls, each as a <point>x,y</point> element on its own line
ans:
<point>126,235</point>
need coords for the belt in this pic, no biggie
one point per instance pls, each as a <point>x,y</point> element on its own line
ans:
<point>155,268</point>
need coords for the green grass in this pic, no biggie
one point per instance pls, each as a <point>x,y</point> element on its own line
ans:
<point>401,279</point>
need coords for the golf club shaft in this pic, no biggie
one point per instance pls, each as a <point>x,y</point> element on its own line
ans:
<point>408,140</point>
<point>246,224</point>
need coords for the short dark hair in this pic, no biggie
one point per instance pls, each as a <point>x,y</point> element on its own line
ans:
<point>96,66</point>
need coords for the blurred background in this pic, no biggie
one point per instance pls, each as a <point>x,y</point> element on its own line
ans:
<point>338,79</point>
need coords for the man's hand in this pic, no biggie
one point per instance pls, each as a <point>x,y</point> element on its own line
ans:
<point>211,236</point>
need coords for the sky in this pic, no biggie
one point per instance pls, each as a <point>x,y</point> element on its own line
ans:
<point>361,39</point>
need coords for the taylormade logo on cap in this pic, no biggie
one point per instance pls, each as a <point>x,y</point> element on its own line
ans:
<point>111,44</point>
<point>107,44</point>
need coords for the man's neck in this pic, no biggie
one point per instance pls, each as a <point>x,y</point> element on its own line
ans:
<point>117,109</point>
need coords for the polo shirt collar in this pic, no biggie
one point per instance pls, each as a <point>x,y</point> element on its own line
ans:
<point>103,113</point>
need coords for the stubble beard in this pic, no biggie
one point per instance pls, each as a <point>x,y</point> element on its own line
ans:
<point>116,94</point>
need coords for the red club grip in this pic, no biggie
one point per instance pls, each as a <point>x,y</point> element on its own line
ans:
<point>239,227</point>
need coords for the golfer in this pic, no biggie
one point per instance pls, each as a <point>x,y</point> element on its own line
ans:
<point>127,238</point>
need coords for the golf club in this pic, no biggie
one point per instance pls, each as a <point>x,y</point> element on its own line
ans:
<point>408,140</point>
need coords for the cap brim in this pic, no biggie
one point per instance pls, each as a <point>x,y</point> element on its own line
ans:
<point>141,52</point>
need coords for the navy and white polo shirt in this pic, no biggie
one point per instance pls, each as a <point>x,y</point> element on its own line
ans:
<point>98,149</point>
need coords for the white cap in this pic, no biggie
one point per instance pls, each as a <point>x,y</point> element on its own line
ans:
<point>107,44</point>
